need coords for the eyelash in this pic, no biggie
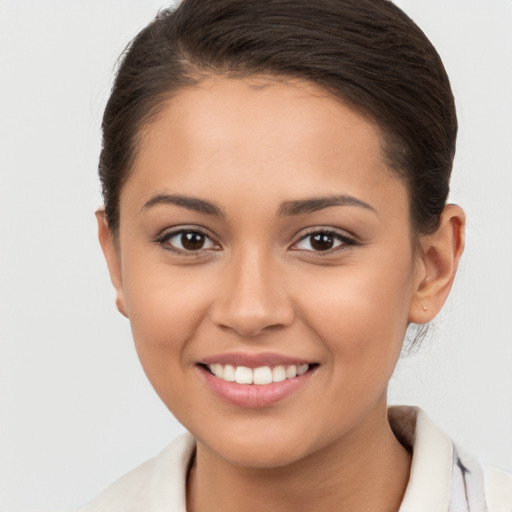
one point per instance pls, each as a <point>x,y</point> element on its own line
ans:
<point>164,241</point>
<point>345,241</point>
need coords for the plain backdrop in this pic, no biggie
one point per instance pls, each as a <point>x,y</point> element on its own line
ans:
<point>76,410</point>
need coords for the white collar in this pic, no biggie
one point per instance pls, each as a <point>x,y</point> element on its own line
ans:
<point>432,460</point>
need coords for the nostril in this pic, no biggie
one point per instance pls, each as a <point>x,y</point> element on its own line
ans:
<point>249,324</point>
<point>251,301</point>
<point>251,319</point>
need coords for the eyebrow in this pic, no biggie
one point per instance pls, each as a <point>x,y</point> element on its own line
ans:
<point>320,203</point>
<point>191,203</point>
<point>288,208</point>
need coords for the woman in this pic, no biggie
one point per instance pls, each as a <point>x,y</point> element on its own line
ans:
<point>275,177</point>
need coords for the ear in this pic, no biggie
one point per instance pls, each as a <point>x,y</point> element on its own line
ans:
<point>113,259</point>
<point>439,257</point>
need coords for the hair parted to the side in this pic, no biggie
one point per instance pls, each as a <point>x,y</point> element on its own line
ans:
<point>368,53</point>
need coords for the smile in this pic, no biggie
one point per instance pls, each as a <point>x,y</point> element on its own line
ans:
<point>255,380</point>
<point>259,376</point>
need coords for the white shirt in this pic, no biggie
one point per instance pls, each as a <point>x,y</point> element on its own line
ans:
<point>442,478</point>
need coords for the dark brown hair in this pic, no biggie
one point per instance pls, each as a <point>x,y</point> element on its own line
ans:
<point>368,53</point>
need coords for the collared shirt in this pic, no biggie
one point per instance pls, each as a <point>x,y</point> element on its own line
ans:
<point>442,479</point>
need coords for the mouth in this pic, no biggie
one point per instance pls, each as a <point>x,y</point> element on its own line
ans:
<point>259,376</point>
<point>255,381</point>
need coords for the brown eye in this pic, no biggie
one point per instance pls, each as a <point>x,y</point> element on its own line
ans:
<point>192,241</point>
<point>322,241</point>
<point>187,241</point>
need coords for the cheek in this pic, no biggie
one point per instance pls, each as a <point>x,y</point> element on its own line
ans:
<point>360,320</point>
<point>164,312</point>
<point>166,307</point>
<point>361,312</point>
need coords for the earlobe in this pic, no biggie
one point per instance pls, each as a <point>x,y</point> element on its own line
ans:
<point>439,259</point>
<point>112,257</point>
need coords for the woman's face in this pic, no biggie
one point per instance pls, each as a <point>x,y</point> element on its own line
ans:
<point>261,231</point>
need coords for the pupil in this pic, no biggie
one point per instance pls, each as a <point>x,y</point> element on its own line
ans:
<point>192,241</point>
<point>322,242</point>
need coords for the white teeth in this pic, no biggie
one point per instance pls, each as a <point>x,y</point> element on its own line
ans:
<point>291,372</point>
<point>229,373</point>
<point>302,369</point>
<point>218,370</point>
<point>243,375</point>
<point>259,376</point>
<point>278,374</point>
<point>262,375</point>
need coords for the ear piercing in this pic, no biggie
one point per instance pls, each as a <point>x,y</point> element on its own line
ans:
<point>423,307</point>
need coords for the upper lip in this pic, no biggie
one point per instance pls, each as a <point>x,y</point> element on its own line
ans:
<point>254,360</point>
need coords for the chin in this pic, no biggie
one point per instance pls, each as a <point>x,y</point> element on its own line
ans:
<point>261,454</point>
<point>260,444</point>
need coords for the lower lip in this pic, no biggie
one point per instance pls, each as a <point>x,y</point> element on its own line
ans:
<point>253,396</point>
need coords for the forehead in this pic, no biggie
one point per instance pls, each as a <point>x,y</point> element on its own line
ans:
<point>261,137</point>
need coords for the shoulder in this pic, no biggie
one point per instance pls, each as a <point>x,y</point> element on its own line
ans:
<point>498,489</point>
<point>158,481</point>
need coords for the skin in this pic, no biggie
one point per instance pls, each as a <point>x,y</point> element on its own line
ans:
<point>258,285</point>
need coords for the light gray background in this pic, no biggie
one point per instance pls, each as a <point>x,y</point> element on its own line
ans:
<point>76,410</point>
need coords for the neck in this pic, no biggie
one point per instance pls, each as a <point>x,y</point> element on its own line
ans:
<point>365,470</point>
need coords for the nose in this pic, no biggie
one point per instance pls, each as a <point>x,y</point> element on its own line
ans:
<point>253,298</point>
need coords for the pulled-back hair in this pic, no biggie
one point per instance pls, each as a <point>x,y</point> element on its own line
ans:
<point>368,53</point>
